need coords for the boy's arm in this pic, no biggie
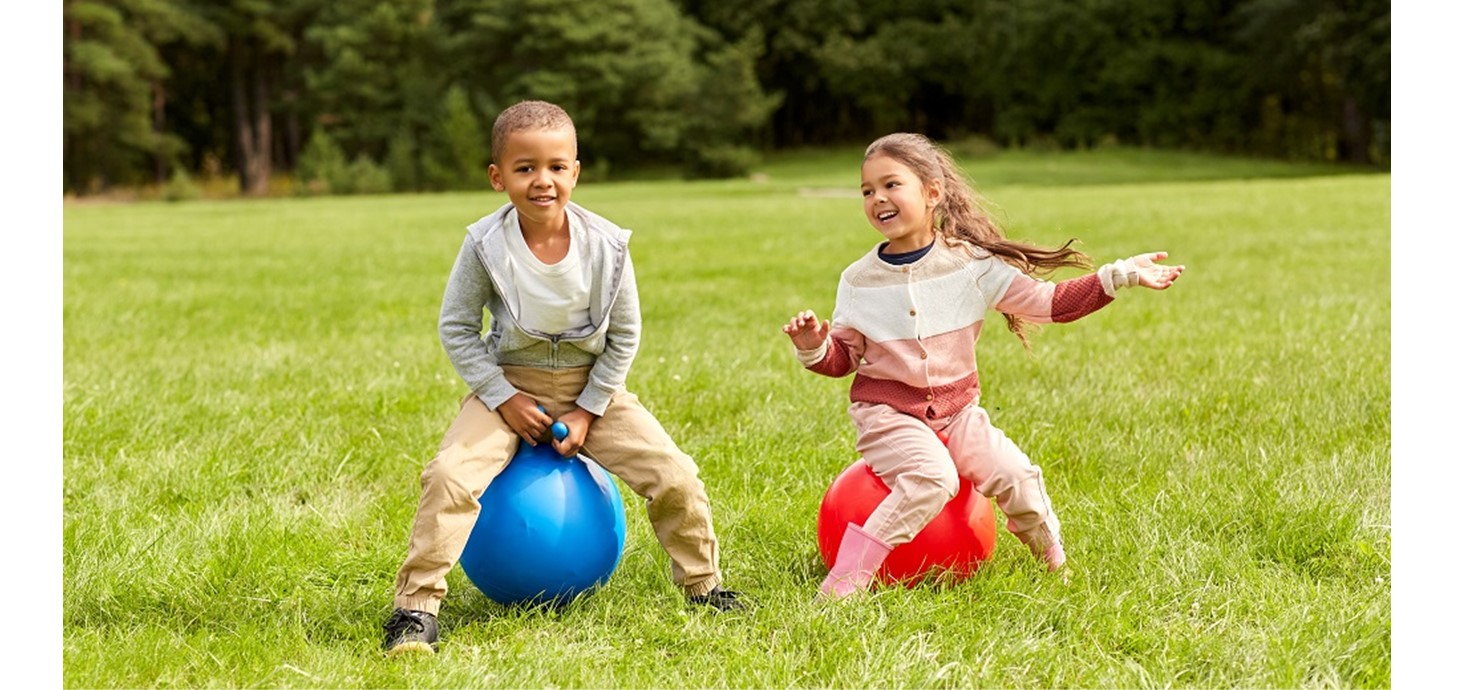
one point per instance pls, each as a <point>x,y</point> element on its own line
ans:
<point>467,292</point>
<point>611,369</point>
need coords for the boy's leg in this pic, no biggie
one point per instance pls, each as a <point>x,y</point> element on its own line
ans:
<point>475,449</point>
<point>908,457</point>
<point>999,469</point>
<point>629,442</point>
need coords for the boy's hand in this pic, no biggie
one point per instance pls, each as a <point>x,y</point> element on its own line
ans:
<point>1154,275</point>
<point>525,418</point>
<point>577,422</point>
<point>806,331</point>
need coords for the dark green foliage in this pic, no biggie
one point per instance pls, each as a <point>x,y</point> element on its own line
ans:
<point>367,177</point>
<point>114,77</point>
<point>322,165</point>
<point>458,156</point>
<point>706,87</point>
<point>402,164</point>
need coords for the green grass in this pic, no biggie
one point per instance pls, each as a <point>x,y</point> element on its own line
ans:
<point>252,388</point>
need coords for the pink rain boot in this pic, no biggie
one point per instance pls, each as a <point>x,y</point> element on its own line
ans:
<point>1048,549</point>
<point>857,561</point>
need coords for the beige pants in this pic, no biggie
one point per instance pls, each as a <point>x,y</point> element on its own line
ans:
<point>923,474</point>
<point>627,441</point>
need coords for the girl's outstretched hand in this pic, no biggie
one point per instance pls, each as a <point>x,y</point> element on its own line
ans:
<point>806,331</point>
<point>1154,275</point>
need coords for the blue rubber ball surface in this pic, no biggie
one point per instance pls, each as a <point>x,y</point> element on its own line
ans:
<point>551,528</point>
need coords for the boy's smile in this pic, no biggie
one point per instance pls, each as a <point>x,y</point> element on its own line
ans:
<point>539,169</point>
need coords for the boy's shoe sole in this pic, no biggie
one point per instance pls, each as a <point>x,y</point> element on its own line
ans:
<point>411,632</point>
<point>720,599</point>
<point>410,648</point>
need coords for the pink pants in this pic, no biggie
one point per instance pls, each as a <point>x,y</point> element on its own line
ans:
<point>923,474</point>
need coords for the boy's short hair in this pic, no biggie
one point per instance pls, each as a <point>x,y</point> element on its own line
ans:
<point>528,115</point>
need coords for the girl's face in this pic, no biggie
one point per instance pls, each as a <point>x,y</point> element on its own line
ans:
<point>898,204</point>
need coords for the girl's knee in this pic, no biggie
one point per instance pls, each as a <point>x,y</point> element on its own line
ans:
<point>938,481</point>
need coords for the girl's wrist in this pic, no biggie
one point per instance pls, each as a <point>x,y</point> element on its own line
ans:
<point>811,357</point>
<point>1118,274</point>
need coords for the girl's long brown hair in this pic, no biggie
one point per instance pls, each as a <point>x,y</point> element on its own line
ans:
<point>960,215</point>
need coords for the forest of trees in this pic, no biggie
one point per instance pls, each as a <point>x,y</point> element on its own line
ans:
<point>377,95</point>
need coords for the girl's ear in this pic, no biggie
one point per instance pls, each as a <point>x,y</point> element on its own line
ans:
<point>934,192</point>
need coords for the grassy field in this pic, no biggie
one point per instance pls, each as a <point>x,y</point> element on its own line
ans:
<point>252,389</point>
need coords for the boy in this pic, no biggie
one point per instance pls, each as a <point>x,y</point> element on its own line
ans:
<point>564,306</point>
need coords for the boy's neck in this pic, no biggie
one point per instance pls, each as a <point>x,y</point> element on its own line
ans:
<point>539,230</point>
<point>547,241</point>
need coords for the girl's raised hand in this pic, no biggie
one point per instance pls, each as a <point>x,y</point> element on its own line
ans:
<point>806,331</point>
<point>1154,275</point>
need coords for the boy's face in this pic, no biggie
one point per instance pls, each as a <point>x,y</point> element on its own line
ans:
<point>538,170</point>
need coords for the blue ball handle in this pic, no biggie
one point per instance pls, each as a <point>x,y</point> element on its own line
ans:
<point>559,429</point>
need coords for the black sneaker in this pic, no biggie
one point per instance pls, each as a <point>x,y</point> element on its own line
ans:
<point>720,599</point>
<point>410,631</point>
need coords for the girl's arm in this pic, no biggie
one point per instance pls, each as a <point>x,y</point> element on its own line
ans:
<point>822,349</point>
<point>1044,302</point>
<point>1141,270</point>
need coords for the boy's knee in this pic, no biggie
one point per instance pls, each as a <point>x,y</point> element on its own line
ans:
<point>676,484</point>
<point>443,475</point>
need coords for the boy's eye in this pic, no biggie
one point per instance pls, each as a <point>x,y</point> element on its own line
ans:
<point>525,168</point>
<point>866,192</point>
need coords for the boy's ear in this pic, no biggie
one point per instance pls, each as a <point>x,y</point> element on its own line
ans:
<point>577,168</point>
<point>495,177</point>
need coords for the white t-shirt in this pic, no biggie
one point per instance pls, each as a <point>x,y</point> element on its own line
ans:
<point>552,298</point>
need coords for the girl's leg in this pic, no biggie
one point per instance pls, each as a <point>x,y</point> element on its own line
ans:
<point>999,469</point>
<point>475,449</point>
<point>907,455</point>
<point>915,466</point>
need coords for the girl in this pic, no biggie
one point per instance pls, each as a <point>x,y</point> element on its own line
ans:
<point>907,317</point>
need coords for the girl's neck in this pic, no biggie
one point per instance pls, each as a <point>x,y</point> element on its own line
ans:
<point>909,243</point>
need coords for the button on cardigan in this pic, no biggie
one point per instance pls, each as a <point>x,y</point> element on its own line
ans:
<point>909,332</point>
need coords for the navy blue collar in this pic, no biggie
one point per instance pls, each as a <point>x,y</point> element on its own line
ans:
<point>905,257</point>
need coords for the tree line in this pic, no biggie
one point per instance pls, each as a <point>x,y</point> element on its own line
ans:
<point>378,95</point>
